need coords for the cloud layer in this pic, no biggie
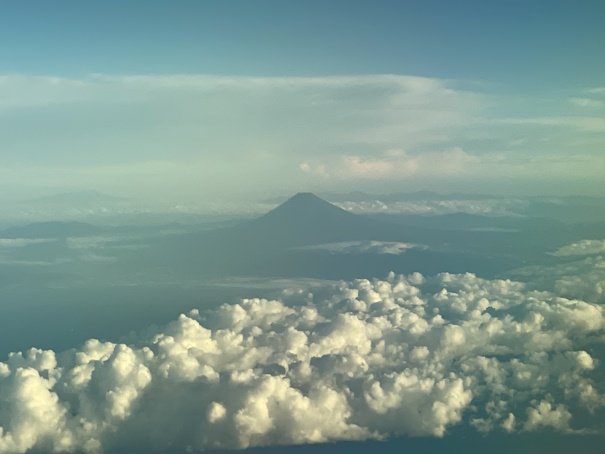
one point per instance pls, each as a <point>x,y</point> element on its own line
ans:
<point>353,360</point>
<point>171,136</point>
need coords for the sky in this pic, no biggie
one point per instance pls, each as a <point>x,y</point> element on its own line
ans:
<point>235,99</point>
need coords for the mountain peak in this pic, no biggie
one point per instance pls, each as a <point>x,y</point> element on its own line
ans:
<point>304,204</point>
<point>305,198</point>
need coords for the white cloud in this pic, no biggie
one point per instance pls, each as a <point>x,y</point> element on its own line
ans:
<point>586,124</point>
<point>544,415</point>
<point>596,90</point>
<point>396,164</point>
<point>490,207</point>
<point>584,279</point>
<point>586,102</point>
<point>21,242</point>
<point>187,124</point>
<point>22,91</point>
<point>584,247</point>
<point>361,359</point>
<point>364,247</point>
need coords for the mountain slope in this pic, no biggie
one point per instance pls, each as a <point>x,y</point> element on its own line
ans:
<point>305,219</point>
<point>302,220</point>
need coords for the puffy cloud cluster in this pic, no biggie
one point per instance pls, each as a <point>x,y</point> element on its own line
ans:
<point>365,247</point>
<point>583,279</point>
<point>587,278</point>
<point>395,163</point>
<point>353,360</point>
<point>584,247</point>
<point>490,207</point>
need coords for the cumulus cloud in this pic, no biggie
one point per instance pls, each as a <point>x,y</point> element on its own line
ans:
<point>584,247</point>
<point>574,276</point>
<point>398,163</point>
<point>364,247</point>
<point>357,360</point>
<point>583,279</point>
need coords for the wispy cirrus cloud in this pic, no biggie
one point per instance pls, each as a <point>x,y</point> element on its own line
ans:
<point>580,123</point>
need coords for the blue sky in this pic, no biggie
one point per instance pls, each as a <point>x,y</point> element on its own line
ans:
<point>509,86</point>
<point>524,44</point>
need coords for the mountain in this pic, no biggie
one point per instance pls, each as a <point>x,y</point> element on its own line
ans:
<point>271,246</point>
<point>302,220</point>
<point>304,203</point>
<point>306,219</point>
